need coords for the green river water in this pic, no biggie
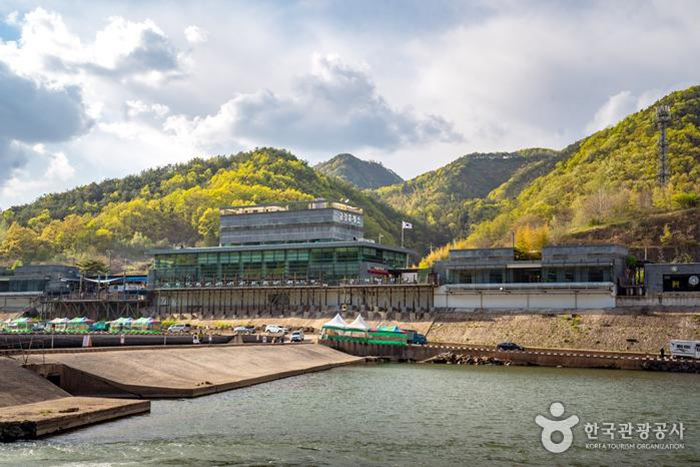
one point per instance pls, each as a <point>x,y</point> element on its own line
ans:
<point>395,414</point>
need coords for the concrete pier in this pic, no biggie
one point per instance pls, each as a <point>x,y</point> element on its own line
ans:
<point>30,421</point>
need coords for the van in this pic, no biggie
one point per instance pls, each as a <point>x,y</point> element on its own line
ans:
<point>180,328</point>
<point>685,349</point>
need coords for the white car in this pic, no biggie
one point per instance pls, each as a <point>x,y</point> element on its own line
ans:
<point>180,328</point>
<point>297,336</point>
<point>276,329</point>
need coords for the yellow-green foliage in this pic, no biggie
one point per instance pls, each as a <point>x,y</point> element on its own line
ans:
<point>609,178</point>
<point>177,205</point>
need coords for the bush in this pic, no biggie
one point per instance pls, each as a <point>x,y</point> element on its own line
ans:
<point>685,200</point>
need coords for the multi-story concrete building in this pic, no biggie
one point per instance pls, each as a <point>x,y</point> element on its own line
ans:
<point>297,222</point>
<point>319,240</point>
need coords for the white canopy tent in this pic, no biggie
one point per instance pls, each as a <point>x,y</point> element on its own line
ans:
<point>336,323</point>
<point>358,325</point>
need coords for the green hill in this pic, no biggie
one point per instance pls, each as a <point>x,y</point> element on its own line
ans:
<point>178,204</point>
<point>451,197</point>
<point>607,180</point>
<point>362,174</point>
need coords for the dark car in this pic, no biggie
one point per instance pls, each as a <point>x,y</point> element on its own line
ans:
<point>508,346</point>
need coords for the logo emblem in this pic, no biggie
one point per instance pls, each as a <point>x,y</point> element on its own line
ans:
<point>549,427</point>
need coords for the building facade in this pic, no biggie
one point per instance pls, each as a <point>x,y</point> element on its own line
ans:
<point>559,264</point>
<point>664,277</point>
<point>48,278</point>
<point>565,277</point>
<point>316,241</point>
<point>298,222</point>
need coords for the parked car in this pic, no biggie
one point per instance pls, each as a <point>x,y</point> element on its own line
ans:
<point>276,329</point>
<point>180,328</point>
<point>297,336</point>
<point>509,346</point>
<point>244,329</point>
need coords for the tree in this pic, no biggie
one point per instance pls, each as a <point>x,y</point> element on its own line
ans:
<point>92,267</point>
<point>22,244</point>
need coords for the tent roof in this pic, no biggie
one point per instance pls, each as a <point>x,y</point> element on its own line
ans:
<point>337,322</point>
<point>58,321</point>
<point>389,328</point>
<point>359,324</point>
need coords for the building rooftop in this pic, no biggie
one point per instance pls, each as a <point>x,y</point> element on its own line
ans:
<point>289,206</point>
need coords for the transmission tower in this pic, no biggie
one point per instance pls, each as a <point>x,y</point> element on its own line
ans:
<point>663,119</point>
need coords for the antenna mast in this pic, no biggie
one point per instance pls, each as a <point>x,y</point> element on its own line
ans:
<point>663,119</point>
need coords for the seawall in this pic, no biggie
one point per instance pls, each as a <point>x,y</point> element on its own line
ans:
<point>530,357</point>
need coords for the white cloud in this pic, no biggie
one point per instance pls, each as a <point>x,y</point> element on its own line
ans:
<point>123,49</point>
<point>11,18</point>
<point>412,79</point>
<point>335,106</point>
<point>195,35</point>
<point>136,108</point>
<point>620,105</point>
<point>55,171</point>
<point>59,167</point>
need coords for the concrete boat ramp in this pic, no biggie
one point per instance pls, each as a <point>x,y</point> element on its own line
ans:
<point>91,387</point>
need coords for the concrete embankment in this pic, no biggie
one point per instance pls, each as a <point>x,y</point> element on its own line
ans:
<point>31,406</point>
<point>182,372</point>
<point>539,357</point>
<point>622,330</point>
<point>30,421</point>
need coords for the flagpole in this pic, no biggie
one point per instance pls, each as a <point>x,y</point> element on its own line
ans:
<point>402,230</point>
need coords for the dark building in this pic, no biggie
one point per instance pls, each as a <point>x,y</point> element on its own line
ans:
<point>39,278</point>
<point>559,264</point>
<point>683,277</point>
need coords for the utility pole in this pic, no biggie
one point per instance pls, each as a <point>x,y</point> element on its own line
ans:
<point>663,119</point>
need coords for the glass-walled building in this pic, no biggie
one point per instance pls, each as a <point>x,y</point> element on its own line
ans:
<point>311,240</point>
<point>322,261</point>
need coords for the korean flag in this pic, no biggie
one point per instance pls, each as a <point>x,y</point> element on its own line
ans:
<point>406,225</point>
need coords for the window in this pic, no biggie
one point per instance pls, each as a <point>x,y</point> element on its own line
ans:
<point>569,275</point>
<point>596,275</point>
<point>495,276</point>
<point>346,255</point>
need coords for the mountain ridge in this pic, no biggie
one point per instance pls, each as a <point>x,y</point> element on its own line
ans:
<point>363,174</point>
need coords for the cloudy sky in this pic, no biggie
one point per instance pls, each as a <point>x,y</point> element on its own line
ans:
<point>92,90</point>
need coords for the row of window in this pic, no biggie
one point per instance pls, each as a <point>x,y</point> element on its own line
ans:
<point>314,255</point>
<point>498,276</point>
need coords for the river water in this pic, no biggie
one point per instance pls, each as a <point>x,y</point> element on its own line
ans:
<point>396,414</point>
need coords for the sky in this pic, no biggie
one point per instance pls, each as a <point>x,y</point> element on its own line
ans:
<point>92,90</point>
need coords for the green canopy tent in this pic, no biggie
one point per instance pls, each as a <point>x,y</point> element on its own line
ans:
<point>79,324</point>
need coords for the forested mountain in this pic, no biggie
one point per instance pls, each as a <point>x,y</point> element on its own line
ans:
<point>362,174</point>
<point>600,189</point>
<point>604,189</point>
<point>453,197</point>
<point>178,204</point>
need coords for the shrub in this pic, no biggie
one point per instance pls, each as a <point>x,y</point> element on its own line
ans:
<point>685,200</point>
